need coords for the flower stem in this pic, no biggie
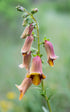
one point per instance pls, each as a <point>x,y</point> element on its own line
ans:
<point>36,28</point>
<point>37,33</point>
<point>48,104</point>
<point>45,96</point>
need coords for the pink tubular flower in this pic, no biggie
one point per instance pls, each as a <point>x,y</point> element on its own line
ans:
<point>26,61</point>
<point>50,52</point>
<point>35,72</point>
<point>27,32</point>
<point>26,47</point>
<point>24,86</point>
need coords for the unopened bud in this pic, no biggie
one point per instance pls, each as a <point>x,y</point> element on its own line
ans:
<point>34,10</point>
<point>20,8</point>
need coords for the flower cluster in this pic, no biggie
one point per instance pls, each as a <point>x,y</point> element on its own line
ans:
<point>33,65</point>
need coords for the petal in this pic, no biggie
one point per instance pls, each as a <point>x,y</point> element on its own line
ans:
<point>26,61</point>
<point>21,66</point>
<point>21,95</point>
<point>24,53</point>
<point>43,76</point>
<point>51,63</point>
<point>36,66</point>
<point>36,79</point>
<point>28,75</point>
<point>27,45</point>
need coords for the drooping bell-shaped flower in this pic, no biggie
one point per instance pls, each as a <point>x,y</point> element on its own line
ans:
<point>26,83</point>
<point>26,61</point>
<point>35,72</point>
<point>27,45</point>
<point>27,32</point>
<point>50,52</point>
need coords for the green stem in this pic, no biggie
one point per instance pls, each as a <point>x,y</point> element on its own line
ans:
<point>37,33</point>
<point>45,96</point>
<point>48,104</point>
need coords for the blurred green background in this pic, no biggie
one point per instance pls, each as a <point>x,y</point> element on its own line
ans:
<point>54,22</point>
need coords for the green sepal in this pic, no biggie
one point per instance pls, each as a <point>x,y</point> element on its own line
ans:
<point>34,55</point>
<point>33,49</point>
<point>42,61</point>
<point>45,38</point>
<point>25,22</point>
<point>25,15</point>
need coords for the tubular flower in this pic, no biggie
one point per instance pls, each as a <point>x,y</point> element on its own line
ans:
<point>26,61</point>
<point>26,47</point>
<point>35,72</point>
<point>27,32</point>
<point>50,53</point>
<point>26,83</point>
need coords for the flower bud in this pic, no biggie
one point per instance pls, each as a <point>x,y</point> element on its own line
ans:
<point>27,32</point>
<point>34,10</point>
<point>20,8</point>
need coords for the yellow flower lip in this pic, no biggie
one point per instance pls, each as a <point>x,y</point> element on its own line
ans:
<point>51,63</point>
<point>35,73</point>
<point>36,78</point>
